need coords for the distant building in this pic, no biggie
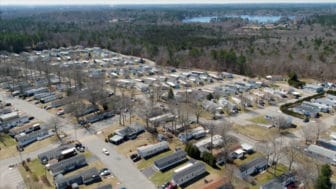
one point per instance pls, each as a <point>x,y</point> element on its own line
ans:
<point>314,88</point>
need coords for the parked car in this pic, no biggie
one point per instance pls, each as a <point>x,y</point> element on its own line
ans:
<point>136,159</point>
<point>47,107</point>
<point>104,172</point>
<point>306,120</point>
<point>133,156</point>
<point>105,151</point>
<point>31,118</point>
<point>60,112</point>
<point>8,104</point>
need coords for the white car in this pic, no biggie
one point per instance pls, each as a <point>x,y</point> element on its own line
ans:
<point>60,112</point>
<point>105,151</point>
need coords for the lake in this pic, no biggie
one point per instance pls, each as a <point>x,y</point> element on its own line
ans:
<point>251,18</point>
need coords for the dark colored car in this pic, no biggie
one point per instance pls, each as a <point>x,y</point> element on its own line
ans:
<point>133,156</point>
<point>136,158</point>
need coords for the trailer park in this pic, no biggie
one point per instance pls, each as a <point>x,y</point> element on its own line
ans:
<point>180,128</point>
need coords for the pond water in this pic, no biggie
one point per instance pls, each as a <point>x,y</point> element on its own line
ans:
<point>251,18</point>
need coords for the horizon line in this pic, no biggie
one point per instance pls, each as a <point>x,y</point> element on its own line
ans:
<point>152,3</point>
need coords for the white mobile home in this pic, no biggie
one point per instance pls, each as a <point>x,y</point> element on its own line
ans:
<point>188,172</point>
<point>152,149</point>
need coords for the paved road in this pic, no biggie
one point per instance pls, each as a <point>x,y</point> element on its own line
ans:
<point>122,167</point>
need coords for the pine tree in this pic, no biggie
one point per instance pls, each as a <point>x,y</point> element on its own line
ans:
<point>323,180</point>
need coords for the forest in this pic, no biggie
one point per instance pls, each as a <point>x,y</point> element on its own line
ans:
<point>305,44</point>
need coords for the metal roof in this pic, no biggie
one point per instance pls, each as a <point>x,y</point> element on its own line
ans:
<point>322,151</point>
<point>195,166</point>
<point>54,153</point>
<point>171,159</point>
<point>61,166</point>
<point>255,162</point>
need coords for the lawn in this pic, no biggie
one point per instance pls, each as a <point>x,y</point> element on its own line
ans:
<point>267,175</point>
<point>33,178</point>
<point>37,145</point>
<point>7,146</point>
<point>259,120</point>
<point>254,131</point>
<point>6,141</point>
<point>161,177</point>
<point>142,164</point>
<point>131,146</point>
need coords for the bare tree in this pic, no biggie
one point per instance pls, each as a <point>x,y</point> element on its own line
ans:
<point>95,91</point>
<point>308,133</point>
<point>196,106</point>
<point>292,152</point>
<point>274,150</point>
<point>223,130</point>
<point>281,123</point>
<point>307,171</point>
<point>55,124</point>
<point>320,128</point>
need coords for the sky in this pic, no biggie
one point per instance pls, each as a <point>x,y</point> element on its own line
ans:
<point>113,2</point>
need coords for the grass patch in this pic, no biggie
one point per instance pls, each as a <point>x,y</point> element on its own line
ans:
<point>131,146</point>
<point>263,177</point>
<point>254,131</point>
<point>36,167</point>
<point>6,141</point>
<point>7,146</point>
<point>33,178</point>
<point>160,177</point>
<point>87,154</point>
<point>142,164</point>
<point>37,145</point>
<point>259,120</point>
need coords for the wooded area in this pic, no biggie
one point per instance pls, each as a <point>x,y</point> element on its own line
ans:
<point>305,45</point>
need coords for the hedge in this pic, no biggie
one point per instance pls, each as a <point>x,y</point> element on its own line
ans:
<point>285,107</point>
<point>331,92</point>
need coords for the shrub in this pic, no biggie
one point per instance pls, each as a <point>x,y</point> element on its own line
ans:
<point>193,151</point>
<point>45,180</point>
<point>209,159</point>
<point>25,166</point>
<point>331,92</point>
<point>285,107</point>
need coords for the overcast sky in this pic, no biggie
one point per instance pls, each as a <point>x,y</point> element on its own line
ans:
<point>71,2</point>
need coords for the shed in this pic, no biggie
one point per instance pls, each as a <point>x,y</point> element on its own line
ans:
<point>116,139</point>
<point>247,148</point>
